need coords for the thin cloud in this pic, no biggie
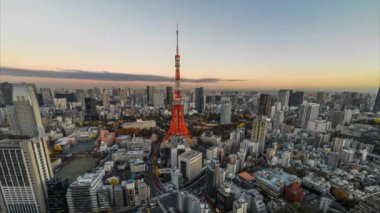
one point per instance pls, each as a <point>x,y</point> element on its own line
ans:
<point>101,76</point>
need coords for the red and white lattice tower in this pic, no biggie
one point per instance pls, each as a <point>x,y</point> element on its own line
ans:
<point>178,126</point>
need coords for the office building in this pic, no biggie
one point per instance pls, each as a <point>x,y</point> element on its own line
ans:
<point>47,94</point>
<point>278,119</point>
<point>225,110</point>
<point>90,108</point>
<point>82,193</point>
<point>338,144</point>
<point>321,97</point>
<point>5,94</point>
<point>259,132</point>
<point>131,194</point>
<point>104,197</point>
<point>176,178</point>
<point>307,112</point>
<point>158,99</point>
<point>319,126</point>
<point>376,107</point>
<point>295,98</point>
<point>265,105</point>
<point>143,191</point>
<point>333,159</point>
<point>175,152</point>
<point>224,197</point>
<point>199,99</point>
<point>56,194</point>
<point>24,116</point>
<point>214,177</point>
<point>150,90</point>
<point>169,96</point>
<point>26,168</point>
<point>294,192</point>
<point>106,99</point>
<point>190,164</point>
<point>347,156</point>
<point>283,97</point>
<point>80,96</point>
<point>273,181</point>
<point>285,159</point>
<point>119,196</point>
<point>240,206</point>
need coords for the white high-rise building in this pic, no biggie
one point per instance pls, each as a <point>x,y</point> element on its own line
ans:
<point>225,110</point>
<point>240,206</point>
<point>82,193</point>
<point>143,191</point>
<point>158,99</point>
<point>106,100</point>
<point>347,156</point>
<point>285,159</point>
<point>24,169</point>
<point>283,98</point>
<point>24,116</point>
<point>338,144</point>
<point>279,119</point>
<point>190,164</point>
<point>307,112</point>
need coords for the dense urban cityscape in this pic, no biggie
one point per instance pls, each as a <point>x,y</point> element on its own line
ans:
<point>190,149</point>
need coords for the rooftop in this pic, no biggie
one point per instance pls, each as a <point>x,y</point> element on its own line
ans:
<point>190,154</point>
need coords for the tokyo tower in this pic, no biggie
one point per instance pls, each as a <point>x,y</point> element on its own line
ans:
<point>177,126</point>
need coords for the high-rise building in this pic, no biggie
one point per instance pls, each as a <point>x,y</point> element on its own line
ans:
<point>106,99</point>
<point>47,94</point>
<point>376,107</point>
<point>104,198</point>
<point>278,119</point>
<point>130,190</point>
<point>190,164</point>
<point>199,99</point>
<point>26,168</point>
<point>333,159</point>
<point>80,96</point>
<point>56,195</point>
<point>175,152</point>
<point>169,96</point>
<point>321,97</point>
<point>24,116</point>
<point>150,90</point>
<point>214,177</point>
<point>296,98</point>
<point>90,107</point>
<point>307,112</point>
<point>285,159</point>
<point>283,97</point>
<point>5,93</point>
<point>338,144</point>
<point>265,105</point>
<point>224,197</point>
<point>225,110</point>
<point>143,191</point>
<point>240,206</point>
<point>347,156</point>
<point>119,196</point>
<point>82,193</point>
<point>259,132</point>
<point>158,99</point>
<point>294,192</point>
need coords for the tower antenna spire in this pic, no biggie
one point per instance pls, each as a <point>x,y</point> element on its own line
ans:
<point>177,40</point>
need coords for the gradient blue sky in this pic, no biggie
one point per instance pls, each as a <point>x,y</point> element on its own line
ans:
<point>271,44</point>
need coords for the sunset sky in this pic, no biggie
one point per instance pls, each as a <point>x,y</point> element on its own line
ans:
<point>296,44</point>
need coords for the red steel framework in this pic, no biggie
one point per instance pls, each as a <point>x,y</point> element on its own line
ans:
<point>178,126</point>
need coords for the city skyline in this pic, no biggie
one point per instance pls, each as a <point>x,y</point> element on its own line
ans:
<point>272,45</point>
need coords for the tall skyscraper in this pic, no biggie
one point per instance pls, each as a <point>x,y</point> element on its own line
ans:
<point>169,96</point>
<point>80,95</point>
<point>259,132</point>
<point>149,94</point>
<point>24,116</point>
<point>285,159</point>
<point>106,99</point>
<point>321,97</point>
<point>90,107</point>
<point>295,98</point>
<point>199,99</point>
<point>283,97</point>
<point>82,193</point>
<point>25,168</point>
<point>214,177</point>
<point>278,119</point>
<point>265,105</point>
<point>124,95</point>
<point>5,93</point>
<point>240,206</point>
<point>376,107</point>
<point>307,112</point>
<point>225,110</point>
